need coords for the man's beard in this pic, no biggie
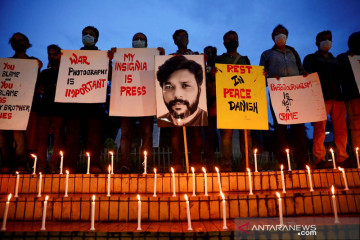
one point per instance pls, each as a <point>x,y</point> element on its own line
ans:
<point>190,108</point>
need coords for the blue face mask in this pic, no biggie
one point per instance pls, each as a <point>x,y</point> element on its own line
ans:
<point>88,40</point>
<point>139,43</point>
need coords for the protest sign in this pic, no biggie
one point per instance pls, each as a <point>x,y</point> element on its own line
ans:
<point>355,65</point>
<point>82,76</point>
<point>18,80</point>
<point>132,82</point>
<point>241,97</point>
<point>180,90</point>
<point>297,99</point>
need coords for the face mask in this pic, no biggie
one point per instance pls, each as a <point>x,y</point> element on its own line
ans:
<point>232,45</point>
<point>88,40</point>
<point>138,43</point>
<point>182,42</point>
<point>325,45</point>
<point>18,46</point>
<point>280,39</point>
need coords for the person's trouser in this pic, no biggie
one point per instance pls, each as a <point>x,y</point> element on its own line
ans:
<point>8,139</point>
<point>353,119</point>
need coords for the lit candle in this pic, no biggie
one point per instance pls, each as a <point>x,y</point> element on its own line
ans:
<point>108,183</point>
<point>66,183</point>
<point>145,163</point>
<point>35,160</point>
<point>173,181</point>
<point>88,163</point>
<point>283,178</point>
<point>250,183</point>
<point>92,226</point>
<point>345,180</point>
<point>112,162</point>
<point>154,182</point>
<point>288,158</point>
<point>193,180</point>
<point>139,213</point>
<point>357,157</point>
<point>255,160</point>
<point>310,180</point>
<point>333,157</point>
<point>205,181</point>
<point>219,180</point>
<point>188,213</point>
<point>17,184</point>
<point>334,204</point>
<point>39,188</point>
<point>3,228</point>
<point>224,211</point>
<point>280,209</point>
<point>44,214</point>
<point>61,162</point>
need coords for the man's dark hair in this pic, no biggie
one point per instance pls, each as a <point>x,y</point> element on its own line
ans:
<point>210,47</point>
<point>320,34</point>
<point>19,33</point>
<point>277,28</point>
<point>228,33</point>
<point>178,63</point>
<point>54,47</point>
<point>177,32</point>
<point>93,29</point>
<point>354,41</point>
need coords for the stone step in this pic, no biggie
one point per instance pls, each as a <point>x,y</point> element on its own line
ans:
<point>144,184</point>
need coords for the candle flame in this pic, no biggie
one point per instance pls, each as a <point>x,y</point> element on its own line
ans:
<point>357,149</point>
<point>186,197</point>
<point>46,198</point>
<point>9,197</point>
<point>17,173</point>
<point>93,198</point>
<point>40,173</point>
<point>67,172</point>
<point>217,170</point>
<point>287,150</point>
<point>172,170</point>
<point>145,153</point>
<point>255,150</point>
<point>193,169</point>
<point>111,153</point>
<point>222,196</point>
<point>203,169</point>
<point>278,195</point>
<point>331,150</point>
<point>61,153</point>
<point>332,189</point>
<point>282,167</point>
<point>88,154</point>
<point>155,170</point>
<point>33,155</point>
<point>340,169</point>
<point>138,197</point>
<point>248,169</point>
<point>308,168</point>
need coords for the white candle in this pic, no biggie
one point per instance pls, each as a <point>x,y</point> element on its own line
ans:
<point>345,180</point>
<point>333,157</point>
<point>224,211</point>
<point>139,213</point>
<point>255,160</point>
<point>35,161</point>
<point>88,163</point>
<point>145,163</point>
<point>280,209</point>
<point>61,162</point>
<point>193,180</point>
<point>44,214</point>
<point>92,226</point>
<point>3,228</point>
<point>357,157</point>
<point>283,179</point>
<point>173,181</point>
<point>205,181</point>
<point>288,158</point>
<point>17,184</point>
<point>250,183</point>
<point>112,162</point>
<point>310,180</point>
<point>219,180</point>
<point>188,213</point>
<point>108,182</point>
<point>334,204</point>
<point>66,183</point>
<point>39,185</point>
<point>154,182</point>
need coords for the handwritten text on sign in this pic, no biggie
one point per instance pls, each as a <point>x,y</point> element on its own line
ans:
<point>132,85</point>
<point>82,77</point>
<point>297,99</point>
<point>17,83</point>
<point>241,97</point>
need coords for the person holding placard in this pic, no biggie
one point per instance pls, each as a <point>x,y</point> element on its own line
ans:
<point>325,64</point>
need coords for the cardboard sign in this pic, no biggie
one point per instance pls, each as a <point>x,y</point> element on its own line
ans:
<point>241,97</point>
<point>18,78</point>
<point>355,65</point>
<point>132,83</point>
<point>82,77</point>
<point>297,99</point>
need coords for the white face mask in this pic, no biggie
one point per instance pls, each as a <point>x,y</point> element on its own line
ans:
<point>138,43</point>
<point>325,45</point>
<point>88,40</point>
<point>280,39</point>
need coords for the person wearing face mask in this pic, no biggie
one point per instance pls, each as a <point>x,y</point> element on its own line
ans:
<point>283,61</point>
<point>325,64</point>
<point>231,43</point>
<point>351,93</point>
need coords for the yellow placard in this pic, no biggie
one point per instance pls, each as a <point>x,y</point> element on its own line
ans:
<point>241,97</point>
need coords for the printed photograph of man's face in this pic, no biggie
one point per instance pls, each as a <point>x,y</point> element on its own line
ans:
<point>180,91</point>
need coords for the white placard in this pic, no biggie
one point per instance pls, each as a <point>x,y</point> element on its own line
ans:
<point>355,65</point>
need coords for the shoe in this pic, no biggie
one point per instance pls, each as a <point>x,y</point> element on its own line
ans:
<point>95,170</point>
<point>178,168</point>
<point>4,170</point>
<point>323,165</point>
<point>123,170</point>
<point>22,170</point>
<point>347,163</point>
<point>225,167</point>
